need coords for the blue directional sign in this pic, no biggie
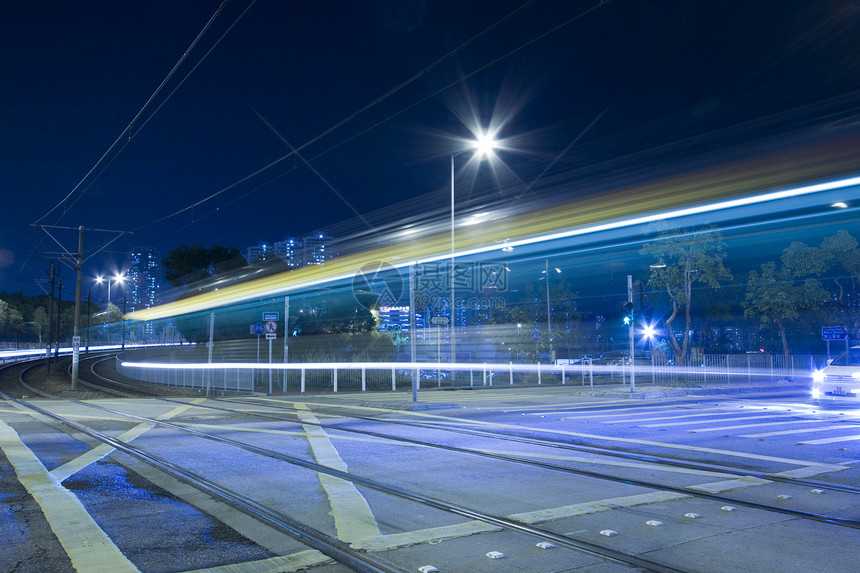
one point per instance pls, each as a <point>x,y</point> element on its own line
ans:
<point>834,333</point>
<point>271,316</point>
<point>258,328</point>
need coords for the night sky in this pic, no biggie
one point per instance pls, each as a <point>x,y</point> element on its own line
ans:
<point>374,95</point>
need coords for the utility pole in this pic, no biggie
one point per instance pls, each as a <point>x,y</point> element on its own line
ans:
<point>632,340</point>
<point>89,314</point>
<point>76,333</point>
<point>59,312</point>
<point>122,321</point>
<point>52,276</point>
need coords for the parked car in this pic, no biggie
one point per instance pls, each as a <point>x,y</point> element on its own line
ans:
<point>840,378</point>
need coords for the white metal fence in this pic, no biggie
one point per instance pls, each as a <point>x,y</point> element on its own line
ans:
<point>160,368</point>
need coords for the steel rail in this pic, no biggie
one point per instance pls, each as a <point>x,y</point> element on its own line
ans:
<point>302,532</point>
<point>564,540</point>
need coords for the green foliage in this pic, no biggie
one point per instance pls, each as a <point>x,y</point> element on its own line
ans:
<point>779,295</point>
<point>682,258</point>
<point>797,292</point>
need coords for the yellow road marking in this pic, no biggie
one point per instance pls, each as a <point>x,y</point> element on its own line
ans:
<point>352,515</point>
<point>590,507</point>
<point>72,467</point>
<point>88,547</point>
<point>721,486</point>
<point>609,462</point>
<point>282,564</point>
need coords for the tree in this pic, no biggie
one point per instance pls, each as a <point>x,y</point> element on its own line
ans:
<point>185,265</point>
<point>842,255</point>
<point>4,314</point>
<point>40,319</point>
<point>684,257</point>
<point>779,295</point>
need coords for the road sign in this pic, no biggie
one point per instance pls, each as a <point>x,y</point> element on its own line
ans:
<point>271,336</point>
<point>834,333</point>
<point>439,320</point>
<point>271,326</point>
<point>258,328</point>
<point>271,316</point>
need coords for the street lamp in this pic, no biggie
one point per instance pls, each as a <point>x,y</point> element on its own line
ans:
<point>483,144</point>
<point>116,279</point>
<point>545,272</point>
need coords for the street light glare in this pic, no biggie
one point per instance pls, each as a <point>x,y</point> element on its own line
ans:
<point>484,145</point>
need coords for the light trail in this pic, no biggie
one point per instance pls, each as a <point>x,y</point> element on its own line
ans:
<point>698,193</point>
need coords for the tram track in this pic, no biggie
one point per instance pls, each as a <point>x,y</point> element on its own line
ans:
<point>620,453</point>
<point>316,539</point>
<point>600,451</point>
<point>603,476</point>
<point>283,413</point>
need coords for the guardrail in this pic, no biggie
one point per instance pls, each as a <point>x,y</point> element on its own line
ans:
<point>364,376</point>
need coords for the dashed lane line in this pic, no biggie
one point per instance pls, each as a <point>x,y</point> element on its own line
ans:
<point>803,431</point>
<point>830,440</point>
<point>625,440</point>
<point>756,425</point>
<point>86,544</point>
<point>687,414</point>
<point>690,422</point>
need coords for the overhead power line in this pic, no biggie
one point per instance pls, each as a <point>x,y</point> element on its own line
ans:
<point>127,134</point>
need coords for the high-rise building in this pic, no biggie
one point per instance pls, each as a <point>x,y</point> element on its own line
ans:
<point>144,277</point>
<point>261,252</point>
<point>318,248</point>
<point>290,251</point>
<point>313,249</point>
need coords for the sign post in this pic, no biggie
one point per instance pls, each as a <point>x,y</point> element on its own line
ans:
<point>258,329</point>
<point>829,333</point>
<point>271,328</point>
<point>632,338</point>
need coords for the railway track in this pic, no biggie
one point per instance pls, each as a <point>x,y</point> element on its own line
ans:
<point>305,533</point>
<point>433,437</point>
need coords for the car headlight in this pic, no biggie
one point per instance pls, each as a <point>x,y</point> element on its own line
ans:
<point>818,376</point>
<point>816,393</point>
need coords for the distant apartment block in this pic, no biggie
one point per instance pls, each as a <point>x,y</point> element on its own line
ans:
<point>143,283</point>
<point>313,249</point>
<point>144,277</point>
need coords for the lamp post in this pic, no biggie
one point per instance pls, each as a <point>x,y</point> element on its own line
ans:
<point>116,279</point>
<point>545,272</point>
<point>483,146</point>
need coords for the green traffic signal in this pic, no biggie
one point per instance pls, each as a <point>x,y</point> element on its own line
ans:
<point>627,313</point>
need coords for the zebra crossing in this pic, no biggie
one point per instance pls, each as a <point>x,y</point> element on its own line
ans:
<point>808,425</point>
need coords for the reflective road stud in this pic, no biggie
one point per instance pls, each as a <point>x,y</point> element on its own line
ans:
<point>495,555</point>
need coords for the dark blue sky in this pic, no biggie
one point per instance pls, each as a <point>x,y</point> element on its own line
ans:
<point>76,73</point>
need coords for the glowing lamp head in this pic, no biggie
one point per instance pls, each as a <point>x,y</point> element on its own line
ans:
<point>484,145</point>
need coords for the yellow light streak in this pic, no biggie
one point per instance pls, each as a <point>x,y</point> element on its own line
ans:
<point>742,179</point>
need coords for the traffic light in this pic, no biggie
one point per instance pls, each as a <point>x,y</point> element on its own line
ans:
<point>627,313</point>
